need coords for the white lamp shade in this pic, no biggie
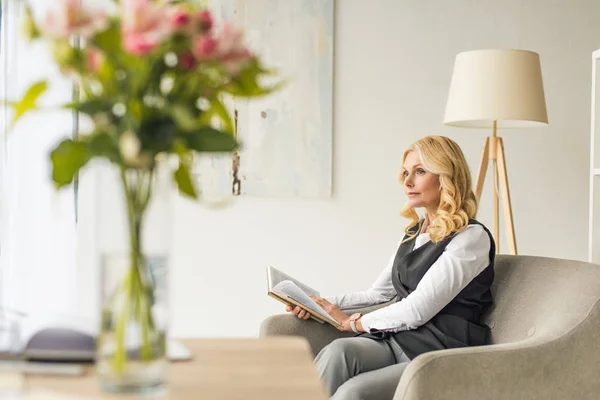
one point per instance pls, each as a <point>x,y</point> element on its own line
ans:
<point>496,85</point>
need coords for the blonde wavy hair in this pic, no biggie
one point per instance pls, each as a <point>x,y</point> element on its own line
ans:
<point>443,157</point>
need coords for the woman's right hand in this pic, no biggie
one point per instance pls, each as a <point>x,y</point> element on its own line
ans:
<point>298,312</point>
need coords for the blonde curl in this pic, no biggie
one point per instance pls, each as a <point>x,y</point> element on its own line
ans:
<point>443,157</point>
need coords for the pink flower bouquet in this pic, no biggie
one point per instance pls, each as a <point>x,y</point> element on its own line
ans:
<point>152,78</point>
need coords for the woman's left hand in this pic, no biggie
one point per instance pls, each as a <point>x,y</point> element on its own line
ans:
<point>335,313</point>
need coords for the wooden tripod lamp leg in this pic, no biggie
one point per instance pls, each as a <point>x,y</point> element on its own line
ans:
<point>495,201</point>
<point>488,153</point>
<point>485,156</point>
<point>503,180</point>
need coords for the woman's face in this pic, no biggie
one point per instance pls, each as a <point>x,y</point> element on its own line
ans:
<point>421,186</point>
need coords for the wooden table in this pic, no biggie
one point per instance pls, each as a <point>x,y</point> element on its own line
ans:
<point>266,368</point>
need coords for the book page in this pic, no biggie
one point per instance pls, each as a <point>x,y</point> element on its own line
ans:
<point>291,290</point>
<point>275,276</point>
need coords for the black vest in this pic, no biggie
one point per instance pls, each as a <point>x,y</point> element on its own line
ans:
<point>457,324</point>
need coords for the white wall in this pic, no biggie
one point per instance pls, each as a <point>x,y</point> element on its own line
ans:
<point>393,64</point>
<point>37,265</point>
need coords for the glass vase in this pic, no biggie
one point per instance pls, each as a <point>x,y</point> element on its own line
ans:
<point>134,220</point>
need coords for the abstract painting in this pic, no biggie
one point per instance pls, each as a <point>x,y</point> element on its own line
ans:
<point>286,136</point>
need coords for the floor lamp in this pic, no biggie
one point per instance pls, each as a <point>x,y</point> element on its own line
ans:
<point>496,89</point>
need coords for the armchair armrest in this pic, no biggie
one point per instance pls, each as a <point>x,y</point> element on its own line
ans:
<point>318,335</point>
<point>565,367</point>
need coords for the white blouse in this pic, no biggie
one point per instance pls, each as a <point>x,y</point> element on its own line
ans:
<point>464,258</point>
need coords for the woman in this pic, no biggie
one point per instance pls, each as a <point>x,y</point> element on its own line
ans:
<point>441,273</point>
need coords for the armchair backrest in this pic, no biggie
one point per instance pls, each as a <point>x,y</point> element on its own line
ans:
<point>540,298</point>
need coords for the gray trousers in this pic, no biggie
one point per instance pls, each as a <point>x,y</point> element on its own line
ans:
<point>360,368</point>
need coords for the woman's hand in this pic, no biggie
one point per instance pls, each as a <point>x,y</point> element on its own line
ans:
<point>297,311</point>
<point>335,313</point>
<point>342,318</point>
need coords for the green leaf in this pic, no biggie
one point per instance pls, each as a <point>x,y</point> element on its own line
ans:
<point>219,109</point>
<point>275,88</point>
<point>29,100</point>
<point>106,77</point>
<point>249,88</point>
<point>29,27</point>
<point>103,145</point>
<point>184,181</point>
<point>209,140</point>
<point>157,135</point>
<point>183,117</point>
<point>135,108</point>
<point>109,40</point>
<point>247,82</point>
<point>67,159</point>
<point>91,106</point>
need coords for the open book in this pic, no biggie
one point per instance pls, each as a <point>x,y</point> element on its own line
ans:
<point>289,291</point>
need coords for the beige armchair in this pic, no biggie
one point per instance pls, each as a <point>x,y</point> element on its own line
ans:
<point>545,341</point>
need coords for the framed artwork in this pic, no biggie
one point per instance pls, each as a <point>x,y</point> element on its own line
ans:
<point>287,136</point>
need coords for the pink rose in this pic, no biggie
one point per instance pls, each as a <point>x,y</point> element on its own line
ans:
<point>235,65</point>
<point>231,49</point>
<point>143,25</point>
<point>187,61</point>
<point>206,20</point>
<point>69,17</point>
<point>94,59</point>
<point>139,44</point>
<point>228,48</point>
<point>204,47</point>
<point>139,15</point>
<point>179,17</point>
<point>231,41</point>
